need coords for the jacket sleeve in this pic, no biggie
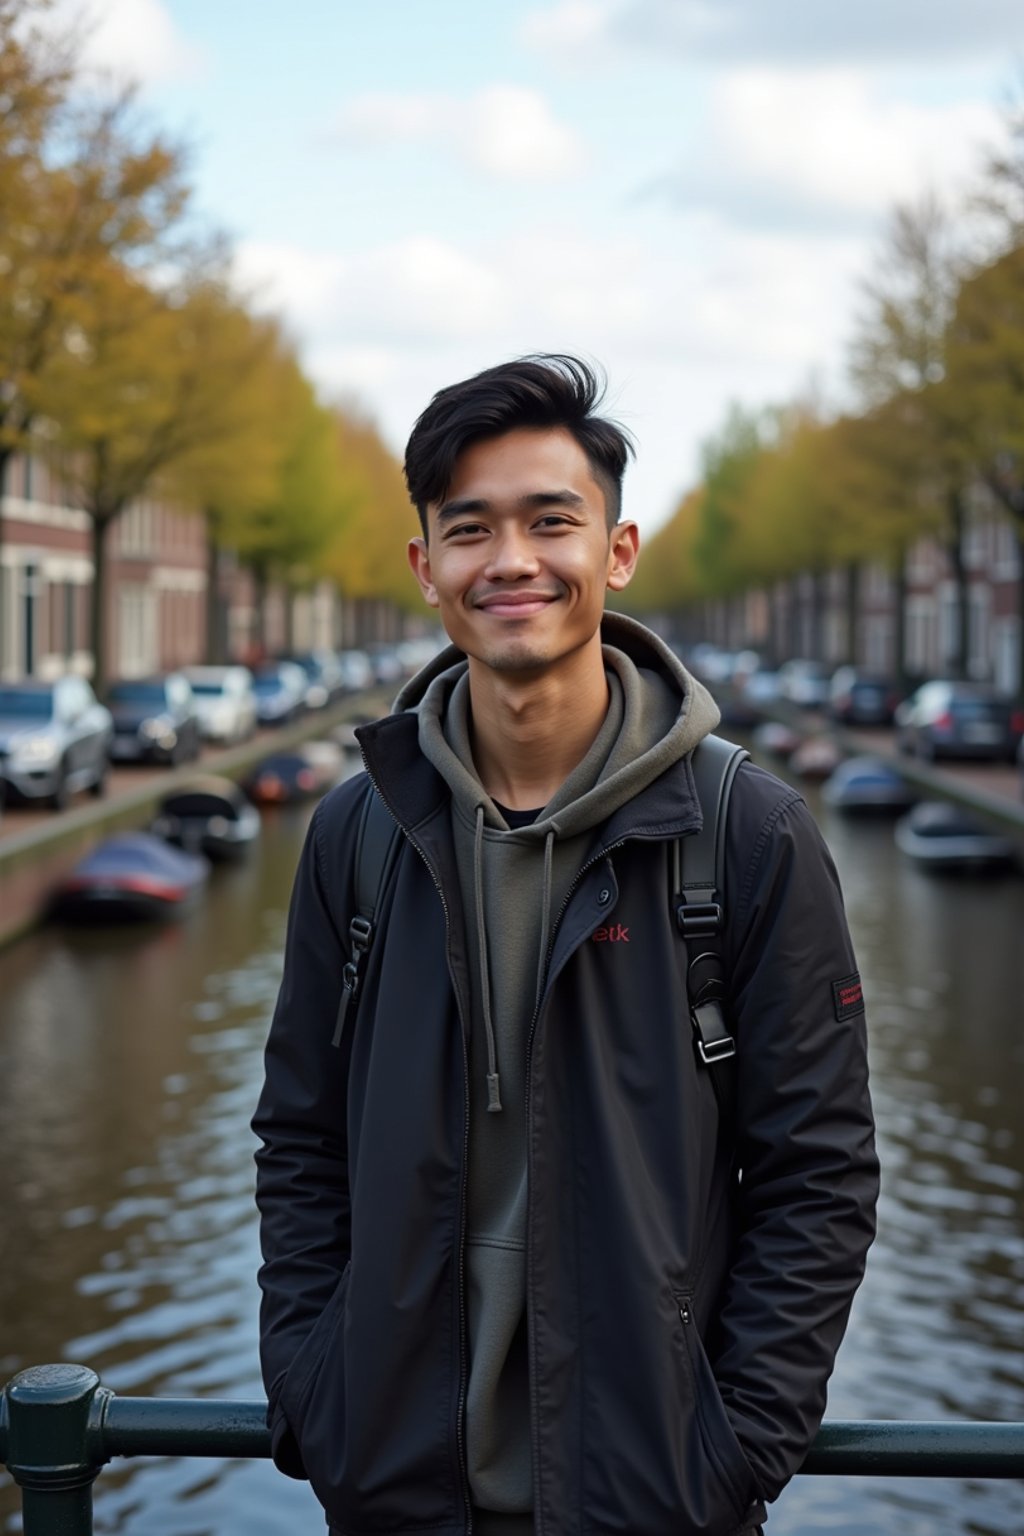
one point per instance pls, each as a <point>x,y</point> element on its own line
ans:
<point>805,1132</point>
<point>301,1166</point>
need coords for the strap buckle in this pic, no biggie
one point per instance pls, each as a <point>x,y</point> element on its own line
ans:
<point>360,931</point>
<point>698,919</point>
<point>714,1043</point>
<point>711,1051</point>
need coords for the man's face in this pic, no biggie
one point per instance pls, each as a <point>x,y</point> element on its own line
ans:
<point>519,554</point>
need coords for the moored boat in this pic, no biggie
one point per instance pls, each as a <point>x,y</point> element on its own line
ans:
<point>209,815</point>
<point>775,738</point>
<point>307,771</point>
<point>866,786</point>
<point>941,836</point>
<point>130,876</point>
<point>815,758</point>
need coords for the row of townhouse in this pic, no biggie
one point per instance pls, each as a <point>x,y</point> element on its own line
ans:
<point>843,616</point>
<point>158,603</point>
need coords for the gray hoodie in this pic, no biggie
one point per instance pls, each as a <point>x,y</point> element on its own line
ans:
<point>514,885</point>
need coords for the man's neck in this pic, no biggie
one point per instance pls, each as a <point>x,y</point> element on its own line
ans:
<point>530,732</point>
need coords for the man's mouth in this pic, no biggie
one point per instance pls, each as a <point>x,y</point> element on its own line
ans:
<point>516,605</point>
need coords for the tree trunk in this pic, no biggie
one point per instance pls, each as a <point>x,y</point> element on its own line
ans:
<point>900,621</point>
<point>817,635</point>
<point>289,621</point>
<point>6,455</point>
<point>216,638</point>
<point>852,610</point>
<point>101,525</point>
<point>1019,531</point>
<point>955,551</point>
<point>260,579</point>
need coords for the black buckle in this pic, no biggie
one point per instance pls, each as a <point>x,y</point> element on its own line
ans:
<point>716,1050</point>
<point>698,918</point>
<point>721,1045</point>
<point>360,932</point>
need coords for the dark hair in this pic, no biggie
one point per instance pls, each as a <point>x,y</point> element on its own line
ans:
<point>547,389</point>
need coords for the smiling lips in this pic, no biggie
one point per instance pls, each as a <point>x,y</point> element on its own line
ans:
<point>515,605</point>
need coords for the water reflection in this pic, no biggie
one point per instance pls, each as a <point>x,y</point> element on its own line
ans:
<point>129,1066</point>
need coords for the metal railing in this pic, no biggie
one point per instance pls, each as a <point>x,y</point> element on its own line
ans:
<point>59,1426</point>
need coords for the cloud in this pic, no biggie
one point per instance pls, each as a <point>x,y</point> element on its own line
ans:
<point>787,148</point>
<point>505,131</point>
<point>785,31</point>
<point>682,328</point>
<point>136,39</point>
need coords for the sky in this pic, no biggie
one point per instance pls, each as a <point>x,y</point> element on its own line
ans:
<point>689,192</point>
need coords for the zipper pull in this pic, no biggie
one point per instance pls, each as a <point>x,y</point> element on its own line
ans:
<point>685,1314</point>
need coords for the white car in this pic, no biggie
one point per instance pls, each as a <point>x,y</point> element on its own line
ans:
<point>225,702</point>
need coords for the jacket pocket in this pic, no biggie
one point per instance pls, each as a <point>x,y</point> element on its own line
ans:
<point>298,1383</point>
<point>723,1450</point>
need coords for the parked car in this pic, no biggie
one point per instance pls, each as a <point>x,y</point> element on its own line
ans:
<point>860,698</point>
<point>54,739</point>
<point>280,688</point>
<point>225,702</point>
<point>324,680</point>
<point>804,683</point>
<point>155,720</point>
<point>356,670</point>
<point>952,719</point>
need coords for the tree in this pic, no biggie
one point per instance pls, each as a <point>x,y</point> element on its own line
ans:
<point>899,354</point>
<point>984,391</point>
<point>367,553</point>
<point>87,186</point>
<point>142,386</point>
<point>228,478</point>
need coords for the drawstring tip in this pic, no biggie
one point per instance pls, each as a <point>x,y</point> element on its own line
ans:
<point>493,1094</point>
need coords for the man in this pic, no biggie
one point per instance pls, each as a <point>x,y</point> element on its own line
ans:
<point>518,1276</point>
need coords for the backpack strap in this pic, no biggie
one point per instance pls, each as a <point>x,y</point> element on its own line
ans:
<point>699,899</point>
<point>377,839</point>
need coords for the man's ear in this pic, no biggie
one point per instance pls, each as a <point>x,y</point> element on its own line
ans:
<point>419,563</point>
<point>623,551</point>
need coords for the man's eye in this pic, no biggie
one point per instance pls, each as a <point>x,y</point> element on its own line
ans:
<point>553,520</point>
<point>462,530</point>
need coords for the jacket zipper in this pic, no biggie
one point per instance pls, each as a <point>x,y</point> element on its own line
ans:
<point>591,863</point>
<point>461,1411</point>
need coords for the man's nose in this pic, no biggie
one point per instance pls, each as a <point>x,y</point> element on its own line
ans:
<point>511,556</point>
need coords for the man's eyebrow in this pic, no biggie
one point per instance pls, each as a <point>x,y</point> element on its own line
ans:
<point>462,505</point>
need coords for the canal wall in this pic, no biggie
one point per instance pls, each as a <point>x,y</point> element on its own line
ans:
<point>31,862</point>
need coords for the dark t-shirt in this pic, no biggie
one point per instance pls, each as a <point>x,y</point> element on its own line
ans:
<point>517,819</point>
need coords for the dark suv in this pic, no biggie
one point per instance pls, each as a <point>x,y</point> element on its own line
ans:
<point>155,720</point>
<point>951,719</point>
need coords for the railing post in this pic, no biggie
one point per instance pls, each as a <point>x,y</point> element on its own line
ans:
<point>54,1446</point>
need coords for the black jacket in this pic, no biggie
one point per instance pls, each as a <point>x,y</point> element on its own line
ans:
<point>687,1290</point>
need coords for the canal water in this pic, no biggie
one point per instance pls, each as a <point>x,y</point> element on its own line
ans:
<point>130,1061</point>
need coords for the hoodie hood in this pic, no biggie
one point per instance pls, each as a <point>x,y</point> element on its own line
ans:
<point>658,713</point>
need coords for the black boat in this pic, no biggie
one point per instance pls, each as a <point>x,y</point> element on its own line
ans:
<point>868,786</point>
<point>130,876</point>
<point>299,775</point>
<point>209,815</point>
<point>941,836</point>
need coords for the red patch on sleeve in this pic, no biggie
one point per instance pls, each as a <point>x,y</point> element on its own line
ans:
<point>848,997</point>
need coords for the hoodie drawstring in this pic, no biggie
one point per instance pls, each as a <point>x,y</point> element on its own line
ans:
<point>493,1083</point>
<point>545,918</point>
